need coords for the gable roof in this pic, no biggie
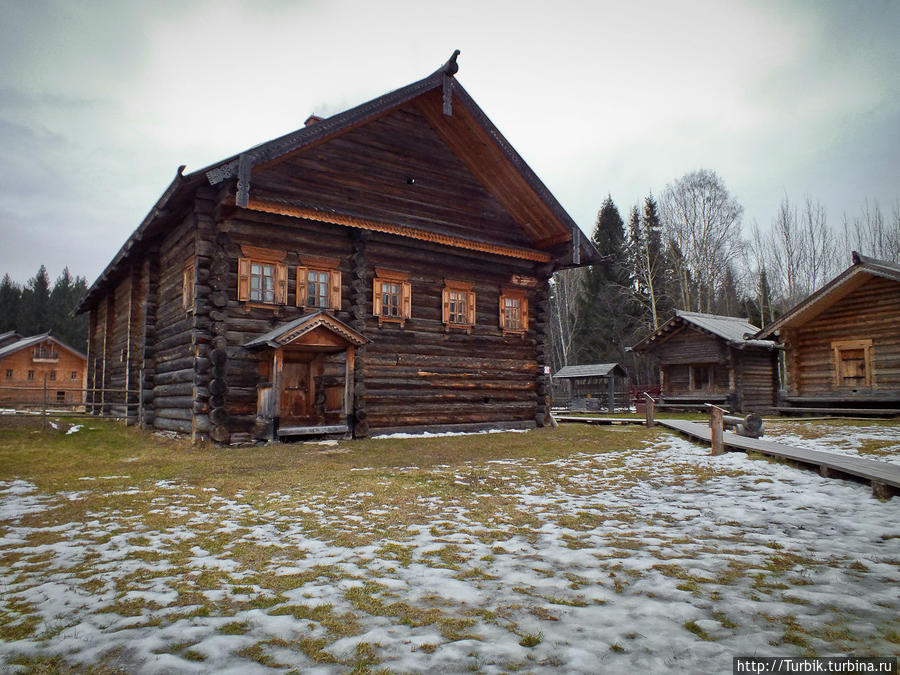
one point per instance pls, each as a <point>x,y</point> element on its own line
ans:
<point>33,340</point>
<point>286,333</point>
<point>734,330</point>
<point>590,370</point>
<point>862,270</point>
<point>462,125</point>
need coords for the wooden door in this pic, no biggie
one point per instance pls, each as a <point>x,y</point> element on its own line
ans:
<point>297,397</point>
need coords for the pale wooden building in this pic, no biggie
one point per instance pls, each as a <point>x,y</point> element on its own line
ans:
<point>28,364</point>
<point>842,343</point>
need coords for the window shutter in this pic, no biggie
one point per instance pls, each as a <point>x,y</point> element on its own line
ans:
<point>280,284</point>
<point>334,299</point>
<point>243,279</point>
<point>524,313</point>
<point>407,300</point>
<point>470,314</point>
<point>445,305</point>
<point>302,278</point>
<point>502,323</point>
<point>376,297</point>
<point>187,287</point>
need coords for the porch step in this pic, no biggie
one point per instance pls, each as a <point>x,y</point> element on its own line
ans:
<point>313,431</point>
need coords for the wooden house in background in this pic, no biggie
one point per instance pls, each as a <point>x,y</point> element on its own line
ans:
<point>707,358</point>
<point>842,344</point>
<point>591,386</point>
<point>385,268</point>
<point>26,363</point>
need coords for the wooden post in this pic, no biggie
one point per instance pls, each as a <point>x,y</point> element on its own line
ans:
<point>650,404</point>
<point>44,406</point>
<point>716,428</point>
<point>140,401</point>
<point>612,392</point>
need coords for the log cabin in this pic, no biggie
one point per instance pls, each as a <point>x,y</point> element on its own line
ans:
<point>708,358</point>
<point>28,363</point>
<point>382,269</point>
<point>842,343</point>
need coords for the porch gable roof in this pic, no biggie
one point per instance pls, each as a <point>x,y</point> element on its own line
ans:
<point>286,333</point>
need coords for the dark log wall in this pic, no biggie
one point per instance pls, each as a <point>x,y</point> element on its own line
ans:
<point>756,379</point>
<point>870,312</point>
<point>396,170</point>
<point>423,375</point>
<point>412,376</point>
<point>173,356</point>
<point>691,346</point>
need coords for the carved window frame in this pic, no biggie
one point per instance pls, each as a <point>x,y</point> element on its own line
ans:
<point>254,255</point>
<point>327,266</point>
<point>455,293</point>
<point>506,325</point>
<point>404,293</point>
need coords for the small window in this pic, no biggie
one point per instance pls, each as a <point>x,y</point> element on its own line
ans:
<point>318,284</point>
<point>187,284</point>
<point>52,375</point>
<point>458,305</point>
<point>60,397</point>
<point>262,277</point>
<point>391,296</point>
<point>30,375</point>
<point>513,311</point>
<point>853,364</point>
<point>74,375</point>
<point>9,374</point>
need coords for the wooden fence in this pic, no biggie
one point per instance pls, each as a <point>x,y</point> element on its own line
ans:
<point>73,402</point>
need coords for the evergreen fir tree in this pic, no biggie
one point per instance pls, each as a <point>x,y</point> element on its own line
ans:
<point>35,309</point>
<point>10,303</point>
<point>604,306</point>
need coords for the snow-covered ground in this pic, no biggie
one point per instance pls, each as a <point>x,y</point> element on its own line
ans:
<point>651,560</point>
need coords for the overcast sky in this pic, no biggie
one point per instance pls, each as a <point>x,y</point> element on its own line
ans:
<point>101,101</point>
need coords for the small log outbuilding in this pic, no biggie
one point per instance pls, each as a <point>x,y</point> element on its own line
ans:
<point>842,344</point>
<point>592,385</point>
<point>708,358</point>
<point>385,268</point>
<point>26,363</point>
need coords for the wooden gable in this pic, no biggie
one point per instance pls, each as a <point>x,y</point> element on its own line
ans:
<point>395,169</point>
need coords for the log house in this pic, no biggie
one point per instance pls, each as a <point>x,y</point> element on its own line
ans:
<point>708,358</point>
<point>386,268</point>
<point>842,343</point>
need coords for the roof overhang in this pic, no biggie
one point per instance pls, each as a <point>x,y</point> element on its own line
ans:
<point>863,269</point>
<point>456,117</point>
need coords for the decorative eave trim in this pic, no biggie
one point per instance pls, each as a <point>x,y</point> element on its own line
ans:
<point>399,230</point>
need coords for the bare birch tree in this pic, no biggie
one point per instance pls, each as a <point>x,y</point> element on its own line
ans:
<point>702,220</point>
<point>564,315</point>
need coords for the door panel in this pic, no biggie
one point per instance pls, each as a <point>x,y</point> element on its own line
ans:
<point>296,397</point>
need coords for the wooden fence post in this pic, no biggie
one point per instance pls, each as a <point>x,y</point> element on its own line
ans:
<point>650,404</point>
<point>44,406</point>
<point>716,424</point>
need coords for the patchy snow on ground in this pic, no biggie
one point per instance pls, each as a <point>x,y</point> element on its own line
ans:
<point>842,440</point>
<point>656,559</point>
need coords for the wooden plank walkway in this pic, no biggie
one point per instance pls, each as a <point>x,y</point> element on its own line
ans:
<point>600,420</point>
<point>879,474</point>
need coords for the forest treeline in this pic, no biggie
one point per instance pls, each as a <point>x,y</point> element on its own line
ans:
<point>37,306</point>
<point>687,250</point>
